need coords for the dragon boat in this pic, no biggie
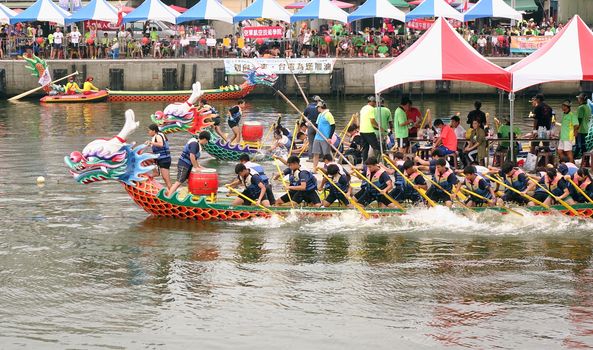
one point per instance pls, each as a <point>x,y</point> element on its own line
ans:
<point>253,78</point>
<point>117,160</point>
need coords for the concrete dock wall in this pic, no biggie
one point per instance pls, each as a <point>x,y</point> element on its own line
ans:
<point>148,74</point>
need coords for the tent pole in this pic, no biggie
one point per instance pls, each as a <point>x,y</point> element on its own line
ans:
<point>378,120</point>
<point>512,120</point>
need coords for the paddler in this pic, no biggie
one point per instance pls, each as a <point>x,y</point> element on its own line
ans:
<point>255,188</point>
<point>407,192</point>
<point>516,178</point>
<point>302,185</point>
<point>554,182</point>
<point>245,160</point>
<point>478,185</point>
<point>340,180</point>
<point>188,161</point>
<point>399,180</point>
<point>235,114</point>
<point>381,179</point>
<point>88,87</point>
<point>446,178</point>
<point>160,146</point>
<point>71,87</point>
<point>583,179</point>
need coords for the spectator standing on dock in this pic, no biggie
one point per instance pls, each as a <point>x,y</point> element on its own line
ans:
<point>584,117</point>
<point>542,114</point>
<point>311,113</point>
<point>58,38</point>
<point>368,125</point>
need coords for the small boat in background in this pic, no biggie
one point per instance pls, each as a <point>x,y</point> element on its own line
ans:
<point>97,96</point>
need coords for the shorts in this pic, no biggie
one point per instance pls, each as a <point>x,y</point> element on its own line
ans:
<point>183,172</point>
<point>437,195</point>
<point>365,198</point>
<point>514,197</point>
<point>233,124</point>
<point>321,147</point>
<point>164,163</point>
<point>217,121</point>
<point>402,142</point>
<point>74,45</point>
<point>565,146</point>
<point>57,46</point>
<point>253,195</point>
<point>270,194</point>
<point>331,197</point>
<point>309,197</point>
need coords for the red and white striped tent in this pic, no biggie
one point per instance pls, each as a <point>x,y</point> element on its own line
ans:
<point>568,56</point>
<point>441,54</point>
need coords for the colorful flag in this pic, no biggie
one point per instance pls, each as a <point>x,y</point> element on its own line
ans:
<point>45,78</point>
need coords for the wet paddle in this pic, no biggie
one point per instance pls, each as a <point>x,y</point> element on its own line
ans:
<point>281,174</point>
<point>267,210</point>
<point>418,189</point>
<point>354,203</point>
<point>524,195</point>
<point>486,199</point>
<point>579,189</point>
<point>557,199</point>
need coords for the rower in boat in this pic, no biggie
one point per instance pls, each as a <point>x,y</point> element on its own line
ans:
<point>446,178</point>
<point>333,194</point>
<point>255,188</point>
<point>381,179</point>
<point>188,161</point>
<point>583,179</point>
<point>245,160</point>
<point>328,160</point>
<point>399,180</point>
<point>205,109</point>
<point>406,192</point>
<point>281,144</point>
<point>478,185</point>
<point>88,87</point>
<point>430,165</point>
<point>555,183</point>
<point>300,144</point>
<point>302,185</point>
<point>516,178</point>
<point>72,87</point>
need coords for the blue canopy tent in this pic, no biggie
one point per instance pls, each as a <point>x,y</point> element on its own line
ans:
<point>42,11</point>
<point>434,8</point>
<point>6,14</point>
<point>320,9</point>
<point>152,10</point>
<point>207,10</point>
<point>377,9</point>
<point>268,9</point>
<point>96,10</point>
<point>492,9</point>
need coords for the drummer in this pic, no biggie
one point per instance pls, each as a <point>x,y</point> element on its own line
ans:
<point>88,87</point>
<point>188,161</point>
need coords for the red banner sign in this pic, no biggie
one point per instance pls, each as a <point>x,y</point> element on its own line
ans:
<point>424,24</point>
<point>263,32</point>
<point>101,25</point>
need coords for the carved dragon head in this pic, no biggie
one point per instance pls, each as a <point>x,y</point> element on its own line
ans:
<point>111,159</point>
<point>192,122</point>
<point>260,76</point>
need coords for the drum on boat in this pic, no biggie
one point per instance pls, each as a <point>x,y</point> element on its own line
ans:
<point>252,131</point>
<point>204,183</point>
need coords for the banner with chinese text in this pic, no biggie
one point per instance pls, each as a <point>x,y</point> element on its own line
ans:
<point>262,32</point>
<point>528,43</point>
<point>425,24</point>
<point>237,66</point>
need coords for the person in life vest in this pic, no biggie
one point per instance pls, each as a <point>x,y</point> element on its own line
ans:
<point>381,179</point>
<point>406,191</point>
<point>554,182</point>
<point>245,160</point>
<point>515,178</point>
<point>205,109</point>
<point>71,87</point>
<point>341,181</point>
<point>583,179</point>
<point>255,189</point>
<point>235,114</point>
<point>160,146</point>
<point>479,185</point>
<point>188,161</point>
<point>302,185</point>
<point>88,87</point>
<point>446,178</point>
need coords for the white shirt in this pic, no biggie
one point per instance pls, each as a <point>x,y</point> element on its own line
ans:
<point>460,133</point>
<point>58,37</point>
<point>74,37</point>
<point>482,42</point>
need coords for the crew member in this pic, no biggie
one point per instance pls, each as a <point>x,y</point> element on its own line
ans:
<point>245,160</point>
<point>581,178</point>
<point>188,161</point>
<point>160,146</point>
<point>340,180</point>
<point>516,178</point>
<point>302,185</point>
<point>235,114</point>
<point>71,87</point>
<point>406,191</point>
<point>380,178</point>
<point>555,183</point>
<point>478,185</point>
<point>88,87</point>
<point>446,178</point>
<point>255,189</point>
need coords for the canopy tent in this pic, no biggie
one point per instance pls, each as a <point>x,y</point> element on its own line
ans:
<point>570,53</point>
<point>418,2</point>
<point>441,54</point>
<point>6,14</point>
<point>207,10</point>
<point>300,4</point>
<point>178,8</point>
<point>320,9</point>
<point>523,5</point>
<point>377,9</point>
<point>42,11</point>
<point>97,10</point>
<point>434,8</point>
<point>492,9</point>
<point>152,10</point>
<point>399,3</point>
<point>268,9</point>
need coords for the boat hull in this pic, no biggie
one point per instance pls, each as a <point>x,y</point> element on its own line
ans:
<point>179,96</point>
<point>98,96</point>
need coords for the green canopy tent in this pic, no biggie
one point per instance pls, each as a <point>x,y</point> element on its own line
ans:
<point>523,5</point>
<point>399,3</point>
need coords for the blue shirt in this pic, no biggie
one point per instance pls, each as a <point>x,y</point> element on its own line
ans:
<point>325,121</point>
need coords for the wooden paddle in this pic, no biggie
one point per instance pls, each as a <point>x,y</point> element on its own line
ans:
<point>296,128</point>
<point>418,189</point>
<point>524,195</point>
<point>358,173</point>
<point>27,93</point>
<point>281,174</point>
<point>557,199</point>
<point>453,198</point>
<point>267,210</point>
<point>355,204</point>
<point>580,190</point>
<point>486,199</point>
<point>296,81</point>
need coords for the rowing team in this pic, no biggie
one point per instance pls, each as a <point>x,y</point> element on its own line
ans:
<point>403,181</point>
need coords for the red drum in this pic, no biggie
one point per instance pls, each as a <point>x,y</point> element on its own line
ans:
<point>204,183</point>
<point>252,131</point>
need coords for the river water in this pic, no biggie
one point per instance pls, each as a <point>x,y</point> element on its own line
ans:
<point>82,267</point>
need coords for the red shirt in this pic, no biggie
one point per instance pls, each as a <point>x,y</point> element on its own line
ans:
<point>449,138</point>
<point>413,114</point>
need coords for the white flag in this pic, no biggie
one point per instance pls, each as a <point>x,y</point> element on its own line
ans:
<point>45,79</point>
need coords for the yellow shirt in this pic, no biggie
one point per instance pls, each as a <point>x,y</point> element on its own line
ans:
<point>367,113</point>
<point>88,86</point>
<point>226,42</point>
<point>72,87</point>
<point>240,43</point>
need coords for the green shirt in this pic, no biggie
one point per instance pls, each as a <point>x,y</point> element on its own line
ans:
<point>569,121</point>
<point>337,29</point>
<point>383,49</point>
<point>154,36</point>
<point>504,132</point>
<point>399,118</point>
<point>357,41</point>
<point>370,49</point>
<point>367,113</point>
<point>385,118</point>
<point>584,117</point>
